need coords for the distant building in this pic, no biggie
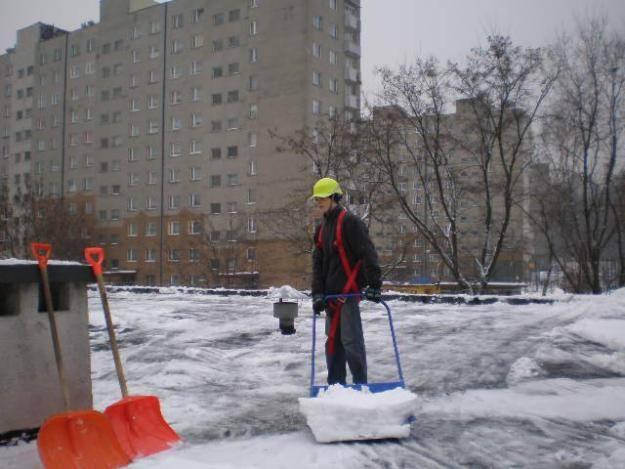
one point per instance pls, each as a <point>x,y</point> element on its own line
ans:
<point>155,122</point>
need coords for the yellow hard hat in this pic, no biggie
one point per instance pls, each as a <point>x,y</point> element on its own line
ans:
<point>325,187</point>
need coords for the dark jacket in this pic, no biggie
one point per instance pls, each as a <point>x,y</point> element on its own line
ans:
<point>328,274</point>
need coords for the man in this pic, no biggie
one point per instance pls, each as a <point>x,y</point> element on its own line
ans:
<point>344,261</point>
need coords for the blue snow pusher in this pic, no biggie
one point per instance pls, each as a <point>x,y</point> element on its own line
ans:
<point>373,387</point>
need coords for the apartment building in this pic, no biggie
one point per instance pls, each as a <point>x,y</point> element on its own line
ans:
<point>155,122</point>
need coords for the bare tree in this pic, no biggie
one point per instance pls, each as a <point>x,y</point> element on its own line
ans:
<point>505,86</point>
<point>28,217</point>
<point>470,165</point>
<point>581,135</point>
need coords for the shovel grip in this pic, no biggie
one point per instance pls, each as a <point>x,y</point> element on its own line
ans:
<point>95,257</point>
<point>42,252</point>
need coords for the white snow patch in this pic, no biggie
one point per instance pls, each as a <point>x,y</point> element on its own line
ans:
<point>523,369</point>
<point>609,332</point>
<point>14,261</point>
<point>346,414</point>
<point>581,401</point>
<point>286,292</point>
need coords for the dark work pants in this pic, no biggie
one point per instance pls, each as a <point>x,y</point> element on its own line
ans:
<point>349,346</point>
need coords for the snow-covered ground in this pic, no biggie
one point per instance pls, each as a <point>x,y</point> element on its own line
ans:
<point>498,385</point>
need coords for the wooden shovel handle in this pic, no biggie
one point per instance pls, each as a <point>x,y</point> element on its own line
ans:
<point>42,252</point>
<point>95,257</point>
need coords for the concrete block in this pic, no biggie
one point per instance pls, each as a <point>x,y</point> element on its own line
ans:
<point>30,386</point>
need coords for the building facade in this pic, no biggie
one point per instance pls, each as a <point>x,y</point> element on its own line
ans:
<point>156,123</point>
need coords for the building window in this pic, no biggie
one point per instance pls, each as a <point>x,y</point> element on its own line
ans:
<point>175,97</point>
<point>155,27</point>
<point>233,41</point>
<point>233,68</point>
<point>153,127</point>
<point>316,78</point>
<point>132,205</point>
<point>232,123</point>
<point>233,179</point>
<point>194,201</point>
<point>196,94</point>
<point>253,111</point>
<point>173,228</point>
<point>196,147</point>
<point>332,57</point>
<point>234,15</point>
<point>215,180</point>
<point>318,23</point>
<point>132,230</point>
<point>175,150</point>
<point>251,196</point>
<point>216,153</point>
<point>196,67</point>
<point>251,225</point>
<point>316,49</point>
<point>196,120</point>
<point>217,72</point>
<point>177,21</point>
<point>195,174</point>
<point>197,15</point>
<point>216,99</point>
<point>154,52</point>
<point>150,229</point>
<point>316,106</point>
<point>251,254</point>
<point>233,151</point>
<point>252,168</point>
<point>233,96</point>
<point>218,45</point>
<point>215,208</point>
<point>173,202</point>
<point>176,123</point>
<point>334,31</point>
<point>253,55</point>
<point>253,28</point>
<point>150,255</point>
<point>219,19</point>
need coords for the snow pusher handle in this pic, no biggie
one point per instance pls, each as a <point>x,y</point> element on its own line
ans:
<point>95,257</point>
<point>381,386</point>
<point>41,252</point>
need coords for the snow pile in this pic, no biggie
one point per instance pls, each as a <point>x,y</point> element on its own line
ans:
<point>286,292</point>
<point>346,414</point>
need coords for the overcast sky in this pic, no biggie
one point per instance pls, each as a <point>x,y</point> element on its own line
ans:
<point>394,32</point>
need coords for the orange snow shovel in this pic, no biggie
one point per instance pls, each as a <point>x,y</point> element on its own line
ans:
<point>137,420</point>
<point>81,439</point>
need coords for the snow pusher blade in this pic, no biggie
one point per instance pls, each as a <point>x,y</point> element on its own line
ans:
<point>137,420</point>
<point>140,426</point>
<point>80,440</point>
<point>359,411</point>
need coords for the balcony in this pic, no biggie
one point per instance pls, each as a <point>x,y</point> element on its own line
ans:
<point>352,101</point>
<point>352,47</point>
<point>352,74</point>
<point>352,21</point>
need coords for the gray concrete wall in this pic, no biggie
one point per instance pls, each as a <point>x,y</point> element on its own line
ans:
<point>30,387</point>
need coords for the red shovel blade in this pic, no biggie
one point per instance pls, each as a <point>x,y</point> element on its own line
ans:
<point>140,426</point>
<point>80,440</point>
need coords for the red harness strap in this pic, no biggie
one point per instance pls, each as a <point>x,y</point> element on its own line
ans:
<point>350,285</point>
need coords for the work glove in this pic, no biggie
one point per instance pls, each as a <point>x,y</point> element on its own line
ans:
<point>319,303</point>
<point>373,294</point>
